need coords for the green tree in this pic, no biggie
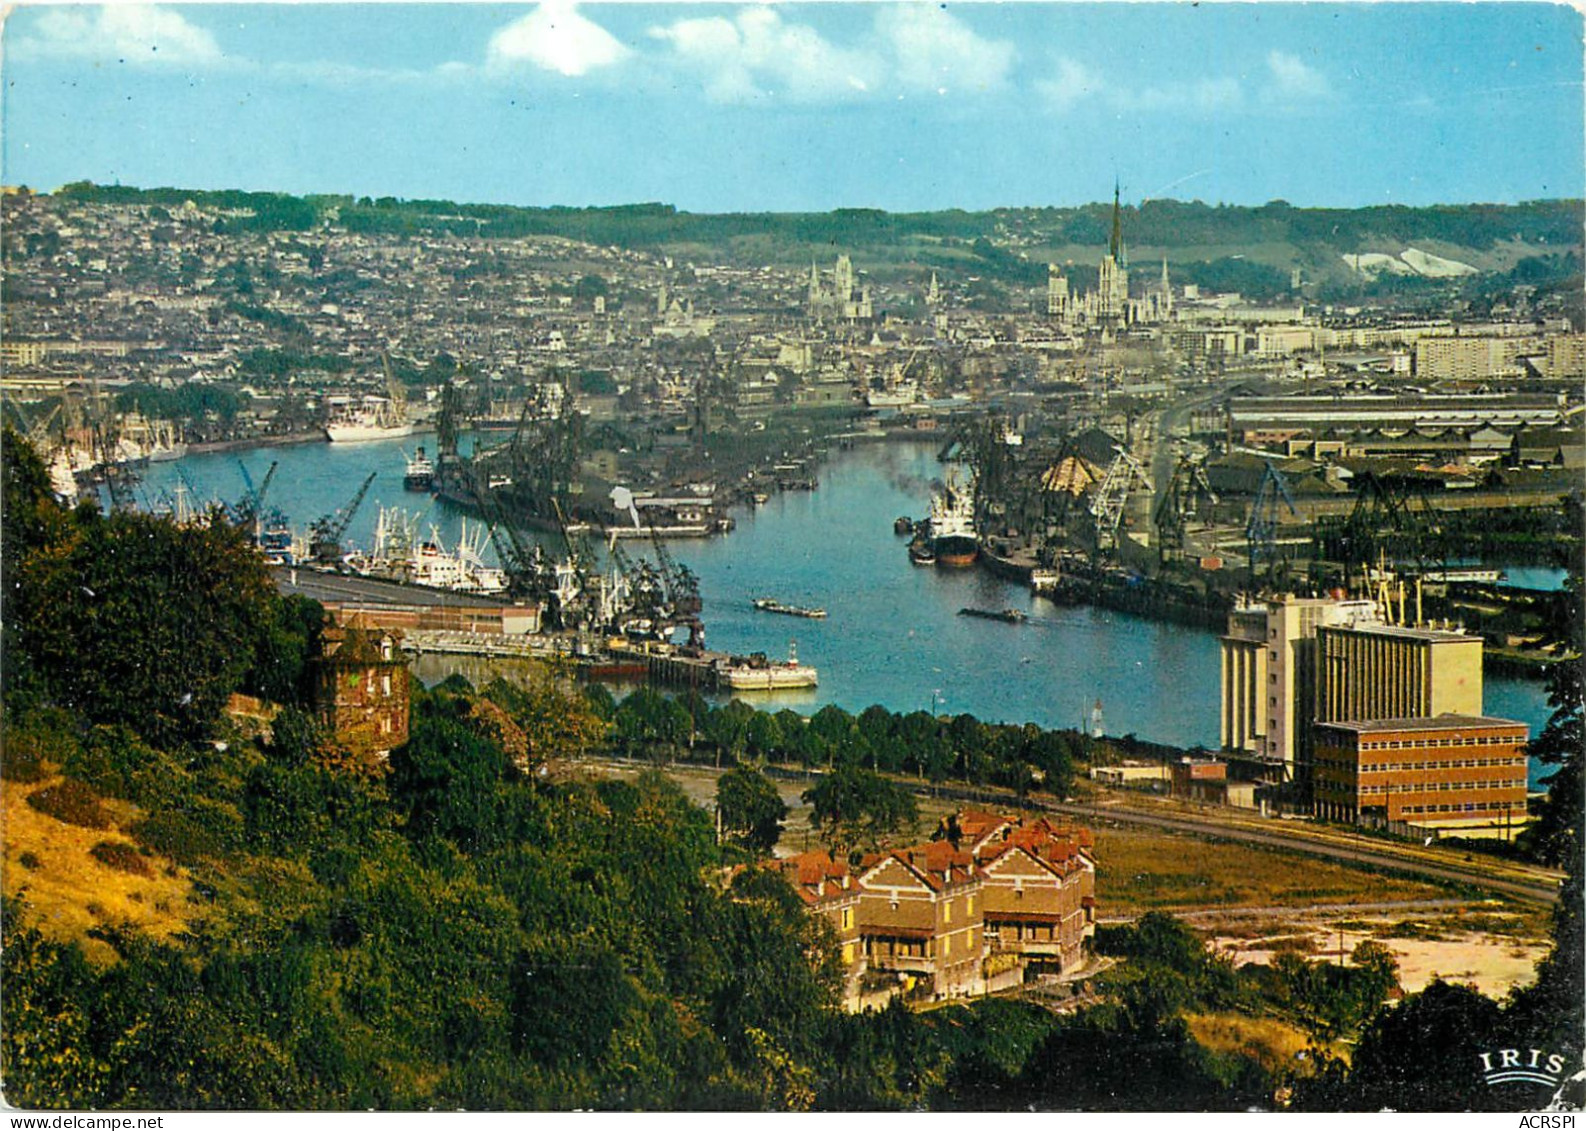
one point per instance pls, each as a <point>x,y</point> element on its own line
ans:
<point>1555,837</point>
<point>852,806</point>
<point>1424,1055</point>
<point>750,809</point>
<point>133,619</point>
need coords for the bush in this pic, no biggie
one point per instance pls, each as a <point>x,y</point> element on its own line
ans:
<point>30,861</point>
<point>23,761</point>
<point>38,746</point>
<point>205,829</point>
<point>120,855</point>
<point>73,802</point>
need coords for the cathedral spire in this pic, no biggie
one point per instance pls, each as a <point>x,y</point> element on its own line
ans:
<point>1115,245</point>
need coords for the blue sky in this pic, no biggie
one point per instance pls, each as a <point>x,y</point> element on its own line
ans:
<point>739,107</point>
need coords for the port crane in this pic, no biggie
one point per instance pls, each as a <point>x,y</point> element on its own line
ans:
<point>523,564</point>
<point>1186,491</point>
<point>325,535</point>
<point>1384,524</point>
<point>1106,505</point>
<point>249,511</point>
<point>1261,529</point>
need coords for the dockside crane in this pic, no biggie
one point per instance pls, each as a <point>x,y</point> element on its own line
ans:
<point>1186,492</point>
<point>119,477</point>
<point>325,535</point>
<point>1385,525</point>
<point>522,563</point>
<point>249,510</point>
<point>1107,505</point>
<point>1261,529</point>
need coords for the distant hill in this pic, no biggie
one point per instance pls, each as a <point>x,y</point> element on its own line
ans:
<point>1252,249</point>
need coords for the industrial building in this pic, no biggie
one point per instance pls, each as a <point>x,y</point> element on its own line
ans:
<point>1269,676</point>
<point>1383,671</point>
<point>1453,774</point>
<point>1316,691</point>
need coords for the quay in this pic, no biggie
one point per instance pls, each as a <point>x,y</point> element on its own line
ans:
<point>442,622</point>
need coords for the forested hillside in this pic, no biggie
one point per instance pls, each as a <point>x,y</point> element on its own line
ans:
<point>1224,247</point>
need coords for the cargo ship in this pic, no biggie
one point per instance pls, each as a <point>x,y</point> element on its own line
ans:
<point>954,543</point>
<point>1011,616</point>
<point>371,418</point>
<point>420,473</point>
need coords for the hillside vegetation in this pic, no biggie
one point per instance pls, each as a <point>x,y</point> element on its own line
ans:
<point>1227,247</point>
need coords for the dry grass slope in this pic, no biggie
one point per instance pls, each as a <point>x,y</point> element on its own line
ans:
<point>69,889</point>
<point>1144,871</point>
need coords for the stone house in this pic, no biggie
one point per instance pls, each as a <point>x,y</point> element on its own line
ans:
<point>361,688</point>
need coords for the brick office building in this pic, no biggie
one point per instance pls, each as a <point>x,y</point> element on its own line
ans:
<point>1461,775</point>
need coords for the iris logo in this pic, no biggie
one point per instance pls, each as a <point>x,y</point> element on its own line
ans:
<point>1535,1066</point>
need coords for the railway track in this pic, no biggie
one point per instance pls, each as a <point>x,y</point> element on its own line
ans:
<point>1530,885</point>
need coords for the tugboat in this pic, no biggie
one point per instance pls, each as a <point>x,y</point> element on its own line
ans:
<point>420,474</point>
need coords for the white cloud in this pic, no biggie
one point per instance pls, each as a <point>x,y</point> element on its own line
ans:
<point>555,37</point>
<point>1292,77</point>
<point>1202,96</point>
<point>756,53</point>
<point>1073,83</point>
<point>141,34</point>
<point>934,51</point>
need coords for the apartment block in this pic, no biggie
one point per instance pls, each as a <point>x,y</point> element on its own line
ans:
<point>921,919</point>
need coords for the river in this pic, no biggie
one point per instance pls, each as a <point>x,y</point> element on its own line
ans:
<point>892,635</point>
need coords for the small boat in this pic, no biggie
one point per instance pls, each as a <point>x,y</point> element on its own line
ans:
<point>767,605</point>
<point>760,498</point>
<point>1009,616</point>
<point>902,525</point>
<point>922,551</point>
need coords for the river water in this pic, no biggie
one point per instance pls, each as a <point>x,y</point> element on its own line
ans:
<point>893,634</point>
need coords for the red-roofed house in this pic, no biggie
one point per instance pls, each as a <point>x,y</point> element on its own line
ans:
<point>828,888</point>
<point>1039,892</point>
<point>920,918</point>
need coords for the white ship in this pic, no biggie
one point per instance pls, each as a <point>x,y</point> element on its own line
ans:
<point>757,673</point>
<point>165,444</point>
<point>369,418</point>
<point>400,555</point>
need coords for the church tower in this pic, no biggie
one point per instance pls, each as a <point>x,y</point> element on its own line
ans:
<point>1112,282</point>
